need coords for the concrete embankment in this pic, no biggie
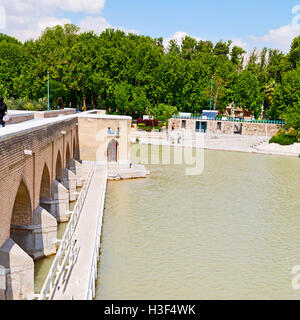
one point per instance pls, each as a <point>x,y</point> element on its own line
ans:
<point>238,143</point>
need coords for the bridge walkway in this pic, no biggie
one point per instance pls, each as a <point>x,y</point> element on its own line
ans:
<point>76,284</point>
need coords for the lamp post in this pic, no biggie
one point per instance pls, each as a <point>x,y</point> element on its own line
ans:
<point>211,90</point>
<point>48,91</point>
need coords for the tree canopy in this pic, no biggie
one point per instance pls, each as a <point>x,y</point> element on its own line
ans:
<point>134,74</point>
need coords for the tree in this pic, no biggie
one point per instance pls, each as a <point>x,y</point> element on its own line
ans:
<point>139,102</point>
<point>163,111</point>
<point>122,94</point>
<point>294,55</point>
<point>247,93</point>
<point>237,57</point>
<point>286,99</point>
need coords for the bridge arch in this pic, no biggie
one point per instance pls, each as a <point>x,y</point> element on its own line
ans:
<point>74,148</point>
<point>22,210</point>
<point>45,187</point>
<point>112,151</point>
<point>68,157</point>
<point>58,169</point>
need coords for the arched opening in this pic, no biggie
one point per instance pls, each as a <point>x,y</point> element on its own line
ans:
<point>45,188</point>
<point>68,157</point>
<point>22,211</point>
<point>112,151</point>
<point>58,174</point>
<point>21,219</point>
<point>74,149</point>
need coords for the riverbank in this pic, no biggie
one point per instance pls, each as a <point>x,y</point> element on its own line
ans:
<point>238,143</point>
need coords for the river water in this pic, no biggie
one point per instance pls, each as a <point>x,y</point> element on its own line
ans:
<point>232,232</point>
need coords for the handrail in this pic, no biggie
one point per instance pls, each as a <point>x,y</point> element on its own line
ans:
<point>66,253</point>
<point>194,117</point>
<point>91,290</point>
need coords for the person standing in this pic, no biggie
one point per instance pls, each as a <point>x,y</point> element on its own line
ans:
<point>3,110</point>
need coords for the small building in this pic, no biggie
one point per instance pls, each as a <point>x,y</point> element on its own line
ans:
<point>239,113</point>
<point>104,138</point>
<point>200,125</point>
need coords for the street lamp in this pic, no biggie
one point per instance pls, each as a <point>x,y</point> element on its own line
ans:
<point>48,91</point>
<point>211,90</point>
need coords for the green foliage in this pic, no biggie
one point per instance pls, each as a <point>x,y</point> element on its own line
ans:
<point>133,74</point>
<point>286,99</point>
<point>286,137</point>
<point>163,112</point>
<point>247,93</point>
<point>26,104</point>
<point>122,93</point>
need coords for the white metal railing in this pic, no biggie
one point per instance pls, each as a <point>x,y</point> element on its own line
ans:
<point>91,290</point>
<point>67,252</point>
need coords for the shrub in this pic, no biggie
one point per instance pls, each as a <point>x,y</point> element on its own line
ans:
<point>148,123</point>
<point>161,118</point>
<point>141,126</point>
<point>284,139</point>
<point>26,104</point>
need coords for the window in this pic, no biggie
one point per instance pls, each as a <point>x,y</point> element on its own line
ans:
<point>219,126</point>
<point>183,124</point>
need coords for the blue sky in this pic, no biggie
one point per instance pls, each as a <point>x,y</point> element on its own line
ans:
<point>249,23</point>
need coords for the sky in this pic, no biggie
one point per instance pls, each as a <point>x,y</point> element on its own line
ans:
<point>250,24</point>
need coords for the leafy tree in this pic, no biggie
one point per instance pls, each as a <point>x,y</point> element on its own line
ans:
<point>286,99</point>
<point>122,95</point>
<point>132,73</point>
<point>294,55</point>
<point>247,93</point>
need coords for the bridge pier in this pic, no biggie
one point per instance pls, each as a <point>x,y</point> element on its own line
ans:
<point>69,180</point>
<point>77,168</point>
<point>58,205</point>
<point>16,273</point>
<point>38,239</point>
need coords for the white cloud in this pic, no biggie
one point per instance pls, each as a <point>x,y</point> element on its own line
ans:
<point>239,43</point>
<point>26,19</point>
<point>88,6</point>
<point>280,38</point>
<point>178,37</point>
<point>97,24</point>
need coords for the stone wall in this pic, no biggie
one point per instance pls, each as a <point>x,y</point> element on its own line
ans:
<point>17,118</point>
<point>94,137</point>
<point>227,127</point>
<point>27,230</point>
<point>16,167</point>
<point>55,113</point>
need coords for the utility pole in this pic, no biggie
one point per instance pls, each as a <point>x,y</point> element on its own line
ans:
<point>48,91</point>
<point>211,91</point>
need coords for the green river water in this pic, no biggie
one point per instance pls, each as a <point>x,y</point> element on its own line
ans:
<point>232,232</point>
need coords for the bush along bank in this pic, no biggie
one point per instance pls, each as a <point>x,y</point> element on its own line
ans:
<point>286,137</point>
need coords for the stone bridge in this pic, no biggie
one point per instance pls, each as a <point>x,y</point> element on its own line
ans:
<point>39,174</point>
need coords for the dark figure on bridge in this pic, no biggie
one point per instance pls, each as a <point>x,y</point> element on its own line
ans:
<point>3,110</point>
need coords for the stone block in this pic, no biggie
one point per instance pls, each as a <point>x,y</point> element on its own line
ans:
<point>19,272</point>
